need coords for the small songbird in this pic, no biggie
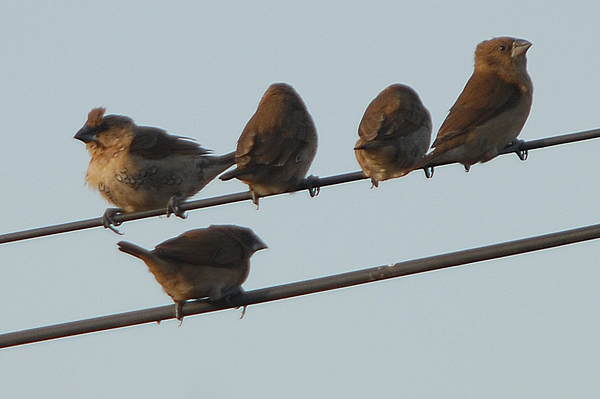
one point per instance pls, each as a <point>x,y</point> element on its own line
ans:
<point>208,263</point>
<point>395,132</point>
<point>139,168</point>
<point>492,108</point>
<point>278,144</point>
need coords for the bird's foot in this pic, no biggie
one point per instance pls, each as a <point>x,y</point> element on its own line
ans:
<point>310,182</point>
<point>515,147</point>
<point>109,222</point>
<point>467,168</point>
<point>374,183</point>
<point>174,207</point>
<point>428,171</point>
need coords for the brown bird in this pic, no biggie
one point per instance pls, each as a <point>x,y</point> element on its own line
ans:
<point>208,263</point>
<point>395,132</point>
<point>139,168</point>
<point>492,108</point>
<point>278,144</point>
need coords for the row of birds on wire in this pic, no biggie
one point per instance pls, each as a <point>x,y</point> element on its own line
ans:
<point>139,168</point>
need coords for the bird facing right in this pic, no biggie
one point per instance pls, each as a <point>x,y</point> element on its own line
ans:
<point>394,133</point>
<point>204,263</point>
<point>278,144</point>
<point>492,108</point>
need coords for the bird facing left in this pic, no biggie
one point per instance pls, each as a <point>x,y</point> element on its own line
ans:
<point>139,168</point>
<point>208,263</point>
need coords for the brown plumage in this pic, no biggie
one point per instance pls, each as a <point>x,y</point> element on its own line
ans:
<point>138,168</point>
<point>492,108</point>
<point>205,263</point>
<point>278,144</point>
<point>395,132</point>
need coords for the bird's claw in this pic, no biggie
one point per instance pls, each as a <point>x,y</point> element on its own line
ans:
<point>179,312</point>
<point>310,182</point>
<point>174,207</point>
<point>374,183</point>
<point>515,147</point>
<point>428,171</point>
<point>243,311</point>
<point>109,222</point>
<point>522,154</point>
<point>255,198</point>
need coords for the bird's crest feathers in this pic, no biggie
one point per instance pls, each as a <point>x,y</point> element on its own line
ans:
<point>95,117</point>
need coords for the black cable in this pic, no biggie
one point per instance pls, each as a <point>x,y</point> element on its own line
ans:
<point>519,147</point>
<point>305,287</point>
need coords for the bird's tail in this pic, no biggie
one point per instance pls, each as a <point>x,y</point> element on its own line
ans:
<point>134,250</point>
<point>425,161</point>
<point>212,166</point>
<point>230,175</point>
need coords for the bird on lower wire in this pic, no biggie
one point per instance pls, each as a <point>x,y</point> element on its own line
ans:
<point>208,263</point>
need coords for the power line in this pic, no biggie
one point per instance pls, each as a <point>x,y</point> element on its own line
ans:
<point>519,147</point>
<point>305,287</point>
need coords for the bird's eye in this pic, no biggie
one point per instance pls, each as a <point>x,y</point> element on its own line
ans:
<point>502,48</point>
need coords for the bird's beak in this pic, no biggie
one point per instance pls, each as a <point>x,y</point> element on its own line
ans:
<point>86,134</point>
<point>258,245</point>
<point>520,47</point>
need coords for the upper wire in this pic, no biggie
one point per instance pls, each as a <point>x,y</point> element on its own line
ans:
<point>519,147</point>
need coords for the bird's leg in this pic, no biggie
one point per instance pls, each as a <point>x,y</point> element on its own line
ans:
<point>174,207</point>
<point>310,182</point>
<point>108,219</point>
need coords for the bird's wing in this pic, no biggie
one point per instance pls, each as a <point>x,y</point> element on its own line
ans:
<point>204,247</point>
<point>277,142</point>
<point>484,97</point>
<point>155,143</point>
<point>396,120</point>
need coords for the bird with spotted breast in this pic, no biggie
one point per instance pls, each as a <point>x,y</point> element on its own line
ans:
<point>140,168</point>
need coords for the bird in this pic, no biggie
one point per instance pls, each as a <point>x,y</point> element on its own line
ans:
<point>140,168</point>
<point>210,262</point>
<point>394,133</point>
<point>492,108</point>
<point>277,146</point>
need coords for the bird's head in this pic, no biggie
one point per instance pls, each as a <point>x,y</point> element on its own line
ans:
<point>502,54</point>
<point>104,131</point>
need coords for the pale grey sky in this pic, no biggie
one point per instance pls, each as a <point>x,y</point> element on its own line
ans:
<point>521,327</point>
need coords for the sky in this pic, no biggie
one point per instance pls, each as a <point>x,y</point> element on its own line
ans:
<point>520,327</point>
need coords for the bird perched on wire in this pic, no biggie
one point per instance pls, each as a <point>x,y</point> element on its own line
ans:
<point>208,263</point>
<point>277,146</point>
<point>139,168</point>
<point>395,132</point>
<point>492,108</point>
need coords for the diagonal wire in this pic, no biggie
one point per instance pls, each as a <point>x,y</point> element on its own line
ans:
<point>518,147</point>
<point>333,282</point>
